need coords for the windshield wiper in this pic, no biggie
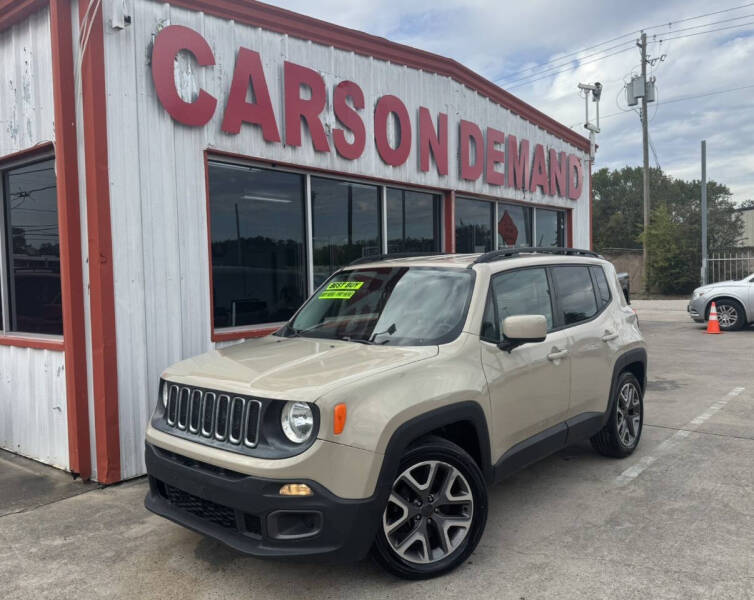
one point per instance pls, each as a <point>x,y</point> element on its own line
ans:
<point>301,332</point>
<point>346,338</point>
<point>389,331</point>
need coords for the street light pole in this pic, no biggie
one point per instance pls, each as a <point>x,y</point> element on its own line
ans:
<point>704,212</point>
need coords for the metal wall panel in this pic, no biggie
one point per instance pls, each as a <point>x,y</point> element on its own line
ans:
<point>157,193</point>
<point>32,382</point>
<point>33,404</point>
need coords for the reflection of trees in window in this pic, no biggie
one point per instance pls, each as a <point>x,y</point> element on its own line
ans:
<point>33,252</point>
<point>413,221</point>
<point>258,256</point>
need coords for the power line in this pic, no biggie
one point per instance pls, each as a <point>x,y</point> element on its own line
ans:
<point>710,31</point>
<point>708,24</point>
<point>570,68</point>
<point>631,33</point>
<point>527,80</point>
<point>507,81</point>
<point>682,98</point>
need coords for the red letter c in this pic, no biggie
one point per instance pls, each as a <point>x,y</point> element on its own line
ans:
<point>169,42</point>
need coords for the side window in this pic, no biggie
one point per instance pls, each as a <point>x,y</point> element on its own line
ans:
<point>575,293</point>
<point>603,290</point>
<point>523,292</point>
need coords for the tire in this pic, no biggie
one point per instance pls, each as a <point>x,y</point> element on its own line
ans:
<point>448,494</point>
<point>730,314</point>
<point>620,436</point>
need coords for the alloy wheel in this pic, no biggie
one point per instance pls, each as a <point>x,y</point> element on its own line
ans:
<point>727,315</point>
<point>629,414</point>
<point>429,513</point>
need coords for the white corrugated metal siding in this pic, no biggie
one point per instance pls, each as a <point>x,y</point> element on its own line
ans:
<point>32,382</point>
<point>158,202</point>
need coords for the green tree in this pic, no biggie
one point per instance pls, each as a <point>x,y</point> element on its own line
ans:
<point>618,222</point>
<point>670,269</point>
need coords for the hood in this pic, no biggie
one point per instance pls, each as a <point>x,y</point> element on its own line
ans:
<point>718,284</point>
<point>292,368</point>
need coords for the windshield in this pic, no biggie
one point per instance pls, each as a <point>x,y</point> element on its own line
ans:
<point>398,306</point>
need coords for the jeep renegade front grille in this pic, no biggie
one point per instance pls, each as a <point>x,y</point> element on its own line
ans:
<point>214,415</point>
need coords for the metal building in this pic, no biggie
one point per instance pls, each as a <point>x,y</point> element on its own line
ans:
<point>178,176</point>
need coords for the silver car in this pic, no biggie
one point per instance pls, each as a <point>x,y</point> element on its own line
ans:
<point>734,301</point>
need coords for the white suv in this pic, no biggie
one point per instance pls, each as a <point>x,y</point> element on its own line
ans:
<point>379,414</point>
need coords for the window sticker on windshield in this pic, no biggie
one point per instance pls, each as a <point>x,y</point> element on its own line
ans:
<point>340,290</point>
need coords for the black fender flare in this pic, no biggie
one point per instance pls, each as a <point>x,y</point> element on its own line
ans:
<point>632,356</point>
<point>425,423</point>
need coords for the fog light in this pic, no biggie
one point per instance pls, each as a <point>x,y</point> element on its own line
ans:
<point>296,489</point>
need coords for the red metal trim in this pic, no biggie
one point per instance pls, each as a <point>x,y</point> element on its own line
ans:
<point>15,11</point>
<point>449,206</point>
<point>569,228</point>
<point>225,336</point>
<point>315,170</point>
<point>31,342</point>
<point>101,288</point>
<point>212,333</point>
<point>284,21</point>
<point>27,153</point>
<point>72,280</point>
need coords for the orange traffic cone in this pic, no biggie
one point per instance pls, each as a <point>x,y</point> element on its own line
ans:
<point>713,326</point>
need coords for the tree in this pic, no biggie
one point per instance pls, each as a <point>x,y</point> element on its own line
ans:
<point>618,222</point>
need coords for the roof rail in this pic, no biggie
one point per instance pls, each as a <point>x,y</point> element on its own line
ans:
<point>504,253</point>
<point>381,257</point>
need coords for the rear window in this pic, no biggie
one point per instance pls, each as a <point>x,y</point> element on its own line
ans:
<point>575,293</point>
<point>603,289</point>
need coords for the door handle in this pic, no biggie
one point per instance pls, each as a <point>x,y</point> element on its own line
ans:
<point>557,354</point>
<point>609,336</point>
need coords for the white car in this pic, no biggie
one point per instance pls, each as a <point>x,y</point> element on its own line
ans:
<point>734,301</point>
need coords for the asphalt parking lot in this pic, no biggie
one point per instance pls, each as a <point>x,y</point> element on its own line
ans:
<point>675,520</point>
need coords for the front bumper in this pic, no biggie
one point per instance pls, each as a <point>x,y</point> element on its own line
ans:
<point>248,514</point>
<point>696,309</point>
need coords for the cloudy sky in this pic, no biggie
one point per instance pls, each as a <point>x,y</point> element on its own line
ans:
<point>509,41</point>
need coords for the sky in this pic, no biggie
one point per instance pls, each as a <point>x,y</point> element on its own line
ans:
<point>547,42</point>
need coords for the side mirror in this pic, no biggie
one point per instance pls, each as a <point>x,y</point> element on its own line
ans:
<point>522,329</point>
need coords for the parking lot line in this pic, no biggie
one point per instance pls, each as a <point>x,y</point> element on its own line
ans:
<point>635,470</point>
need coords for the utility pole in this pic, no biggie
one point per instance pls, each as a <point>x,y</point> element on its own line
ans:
<point>645,144</point>
<point>704,212</point>
<point>641,87</point>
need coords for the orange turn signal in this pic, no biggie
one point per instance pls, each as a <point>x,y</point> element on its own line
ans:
<point>339,419</point>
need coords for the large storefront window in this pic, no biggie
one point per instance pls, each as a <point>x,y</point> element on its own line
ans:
<point>513,225</point>
<point>474,225</point>
<point>258,256</point>
<point>345,224</point>
<point>550,227</point>
<point>31,291</point>
<point>413,221</point>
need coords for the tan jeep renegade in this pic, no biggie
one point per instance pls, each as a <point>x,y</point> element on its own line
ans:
<point>377,416</point>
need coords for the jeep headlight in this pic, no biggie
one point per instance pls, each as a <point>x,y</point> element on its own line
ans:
<point>164,393</point>
<point>297,421</point>
<point>699,293</point>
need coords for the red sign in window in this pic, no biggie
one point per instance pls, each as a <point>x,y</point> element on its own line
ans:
<point>507,229</point>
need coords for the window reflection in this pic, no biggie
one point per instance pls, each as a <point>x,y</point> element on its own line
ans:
<point>258,257</point>
<point>550,227</point>
<point>33,246</point>
<point>413,221</point>
<point>474,225</point>
<point>345,224</point>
